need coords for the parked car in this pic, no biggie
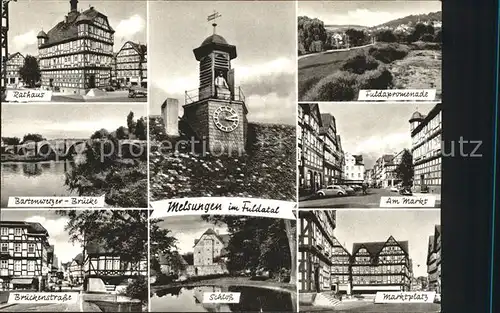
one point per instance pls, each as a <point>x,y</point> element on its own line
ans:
<point>109,88</point>
<point>405,191</point>
<point>135,91</point>
<point>394,188</point>
<point>424,189</point>
<point>331,191</point>
<point>357,187</point>
<point>349,190</point>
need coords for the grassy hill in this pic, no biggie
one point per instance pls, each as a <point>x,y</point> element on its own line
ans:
<point>266,171</point>
<point>413,19</point>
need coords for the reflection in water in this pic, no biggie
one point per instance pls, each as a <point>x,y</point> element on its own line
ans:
<point>189,299</point>
<point>35,179</point>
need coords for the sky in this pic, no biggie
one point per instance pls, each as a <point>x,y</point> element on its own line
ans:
<point>188,228</point>
<point>364,13</point>
<point>381,128</point>
<point>264,35</point>
<point>63,249</point>
<point>127,18</point>
<point>73,120</point>
<point>414,226</point>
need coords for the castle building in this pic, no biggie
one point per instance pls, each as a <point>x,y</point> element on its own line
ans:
<point>24,262</point>
<point>426,150</point>
<point>316,248</point>
<point>310,148</point>
<point>209,253</point>
<point>76,54</point>
<point>434,261</point>
<point>332,154</point>
<point>14,63</point>
<point>131,64</point>
<point>381,266</point>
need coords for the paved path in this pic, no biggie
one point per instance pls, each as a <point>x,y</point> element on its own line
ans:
<point>371,200</point>
<point>332,51</point>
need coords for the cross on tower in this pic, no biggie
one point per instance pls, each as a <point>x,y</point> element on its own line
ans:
<point>213,17</point>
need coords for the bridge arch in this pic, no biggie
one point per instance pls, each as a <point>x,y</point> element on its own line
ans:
<point>77,147</point>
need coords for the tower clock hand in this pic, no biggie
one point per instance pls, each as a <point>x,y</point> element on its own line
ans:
<point>232,118</point>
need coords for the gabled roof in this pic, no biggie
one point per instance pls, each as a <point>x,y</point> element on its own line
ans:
<point>78,259</point>
<point>374,248</point>
<point>68,28</point>
<point>359,159</point>
<point>33,227</point>
<point>326,120</point>
<point>139,48</point>
<point>11,56</point>
<point>223,238</point>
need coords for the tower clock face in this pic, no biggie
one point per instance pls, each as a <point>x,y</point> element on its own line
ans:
<point>226,119</point>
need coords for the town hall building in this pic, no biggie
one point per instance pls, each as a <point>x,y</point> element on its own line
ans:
<point>77,53</point>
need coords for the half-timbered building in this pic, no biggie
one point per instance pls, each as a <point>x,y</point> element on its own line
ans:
<point>111,266</point>
<point>24,261</point>
<point>131,64</point>
<point>316,245</point>
<point>434,260</point>
<point>77,53</point>
<point>380,266</point>
<point>341,268</point>
<point>310,147</point>
<point>75,269</point>
<point>14,63</point>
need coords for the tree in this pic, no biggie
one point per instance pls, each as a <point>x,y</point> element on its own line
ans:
<point>33,137</point>
<point>140,129</point>
<point>30,71</point>
<point>404,170</point>
<point>161,243</point>
<point>131,123</point>
<point>259,242</point>
<point>11,141</point>
<point>438,36</point>
<point>121,133</point>
<point>356,37</point>
<point>310,30</point>
<point>100,134</point>
<point>386,36</point>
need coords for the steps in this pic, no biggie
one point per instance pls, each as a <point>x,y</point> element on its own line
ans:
<point>326,300</point>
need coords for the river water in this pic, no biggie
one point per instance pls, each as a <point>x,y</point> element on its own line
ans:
<point>35,179</point>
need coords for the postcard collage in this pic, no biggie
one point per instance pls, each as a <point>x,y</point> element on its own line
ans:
<point>230,156</point>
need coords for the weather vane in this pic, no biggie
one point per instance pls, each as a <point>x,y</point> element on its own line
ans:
<point>213,17</point>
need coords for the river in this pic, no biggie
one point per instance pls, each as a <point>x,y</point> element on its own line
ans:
<point>35,179</point>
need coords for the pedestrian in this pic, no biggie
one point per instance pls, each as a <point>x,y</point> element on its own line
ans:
<point>365,187</point>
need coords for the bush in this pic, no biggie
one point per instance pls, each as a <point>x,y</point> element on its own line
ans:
<point>427,37</point>
<point>340,86</point>
<point>138,289</point>
<point>307,85</point>
<point>376,79</point>
<point>388,53</point>
<point>359,63</point>
<point>420,45</point>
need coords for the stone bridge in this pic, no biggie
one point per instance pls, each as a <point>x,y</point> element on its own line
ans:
<point>68,148</point>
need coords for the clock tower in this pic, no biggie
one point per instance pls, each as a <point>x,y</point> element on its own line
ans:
<point>216,111</point>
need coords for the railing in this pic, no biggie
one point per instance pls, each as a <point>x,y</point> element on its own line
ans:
<point>195,95</point>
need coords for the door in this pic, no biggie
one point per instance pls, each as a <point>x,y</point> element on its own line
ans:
<point>316,279</point>
<point>92,81</point>
<point>422,182</point>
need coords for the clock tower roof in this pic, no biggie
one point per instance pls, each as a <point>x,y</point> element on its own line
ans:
<point>214,42</point>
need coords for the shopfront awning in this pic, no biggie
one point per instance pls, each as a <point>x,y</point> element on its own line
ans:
<point>22,281</point>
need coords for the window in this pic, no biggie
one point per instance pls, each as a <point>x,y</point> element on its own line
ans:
<point>109,264</point>
<point>31,248</point>
<point>17,265</point>
<point>17,247</point>
<point>4,264</point>
<point>4,247</point>
<point>31,265</point>
<point>4,231</point>
<point>18,231</point>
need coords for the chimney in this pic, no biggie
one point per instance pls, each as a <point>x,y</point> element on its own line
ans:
<point>170,114</point>
<point>74,5</point>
